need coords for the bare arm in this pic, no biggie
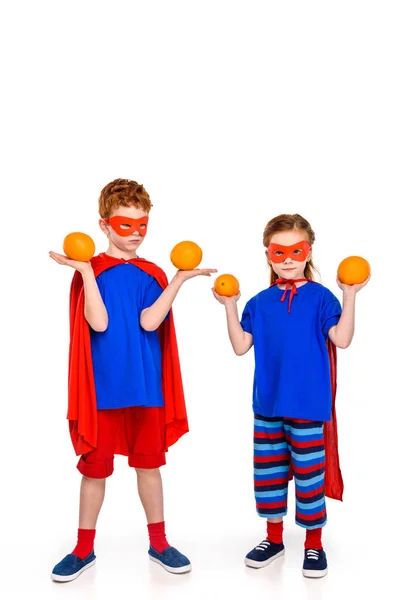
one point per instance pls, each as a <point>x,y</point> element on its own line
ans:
<point>94,309</point>
<point>342,333</point>
<point>152,317</point>
<point>241,340</point>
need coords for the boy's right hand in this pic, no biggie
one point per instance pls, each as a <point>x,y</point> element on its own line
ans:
<point>80,266</point>
<point>225,300</point>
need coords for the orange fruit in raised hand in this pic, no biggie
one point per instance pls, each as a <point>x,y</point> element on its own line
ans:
<point>226,285</point>
<point>186,256</point>
<point>353,269</point>
<point>79,246</point>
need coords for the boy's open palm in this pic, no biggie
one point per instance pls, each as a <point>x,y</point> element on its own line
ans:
<point>64,260</point>
<point>184,275</point>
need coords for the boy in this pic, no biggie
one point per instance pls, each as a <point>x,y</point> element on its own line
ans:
<point>125,387</point>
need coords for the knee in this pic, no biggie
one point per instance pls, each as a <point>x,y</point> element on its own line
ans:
<point>93,480</point>
<point>147,472</point>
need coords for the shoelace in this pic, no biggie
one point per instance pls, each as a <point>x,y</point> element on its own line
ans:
<point>264,545</point>
<point>312,554</point>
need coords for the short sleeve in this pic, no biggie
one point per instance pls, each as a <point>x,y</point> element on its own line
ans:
<point>246,319</point>
<point>331,312</point>
<point>152,293</point>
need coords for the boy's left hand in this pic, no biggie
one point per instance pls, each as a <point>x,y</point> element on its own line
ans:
<point>356,287</point>
<point>184,275</point>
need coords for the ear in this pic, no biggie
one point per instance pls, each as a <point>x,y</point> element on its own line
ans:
<point>104,227</point>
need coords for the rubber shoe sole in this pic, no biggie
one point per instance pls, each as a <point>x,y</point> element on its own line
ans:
<point>314,574</point>
<point>176,570</point>
<point>256,564</point>
<point>65,578</point>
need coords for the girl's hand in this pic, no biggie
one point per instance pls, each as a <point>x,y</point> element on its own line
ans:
<point>352,288</point>
<point>184,275</point>
<point>225,299</point>
<point>80,266</point>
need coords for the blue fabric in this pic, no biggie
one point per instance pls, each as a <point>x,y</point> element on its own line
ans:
<point>72,564</point>
<point>171,557</point>
<point>126,358</point>
<point>292,373</point>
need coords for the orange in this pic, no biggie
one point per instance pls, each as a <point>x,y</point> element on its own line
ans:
<point>79,246</point>
<point>186,256</point>
<point>353,269</point>
<point>226,285</point>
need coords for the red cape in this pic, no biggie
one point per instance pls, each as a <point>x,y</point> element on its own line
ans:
<point>82,409</point>
<point>333,476</point>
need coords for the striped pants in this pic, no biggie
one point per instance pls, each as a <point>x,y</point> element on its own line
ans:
<point>279,442</point>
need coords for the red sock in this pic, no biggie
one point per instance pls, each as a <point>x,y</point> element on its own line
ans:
<point>157,538</point>
<point>85,543</point>
<point>313,539</point>
<point>275,532</point>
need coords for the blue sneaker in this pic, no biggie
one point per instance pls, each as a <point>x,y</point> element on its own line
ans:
<point>263,554</point>
<point>171,559</point>
<point>72,566</point>
<point>315,563</point>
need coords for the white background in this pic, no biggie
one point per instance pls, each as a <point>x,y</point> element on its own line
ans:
<point>229,113</point>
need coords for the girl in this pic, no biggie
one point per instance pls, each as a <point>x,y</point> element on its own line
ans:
<point>295,326</point>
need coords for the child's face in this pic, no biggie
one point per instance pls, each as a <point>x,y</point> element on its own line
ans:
<point>126,235</point>
<point>295,261</point>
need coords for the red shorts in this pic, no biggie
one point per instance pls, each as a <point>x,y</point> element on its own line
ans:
<point>144,430</point>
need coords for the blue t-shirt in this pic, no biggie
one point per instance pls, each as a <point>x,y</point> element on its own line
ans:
<point>292,372</point>
<point>126,358</point>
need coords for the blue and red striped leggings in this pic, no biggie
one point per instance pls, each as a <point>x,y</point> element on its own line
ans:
<point>279,442</point>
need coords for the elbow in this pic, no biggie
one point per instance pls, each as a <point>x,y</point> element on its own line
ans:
<point>239,351</point>
<point>342,344</point>
<point>99,327</point>
<point>148,326</point>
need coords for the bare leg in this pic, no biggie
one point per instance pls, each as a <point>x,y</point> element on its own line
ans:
<point>151,494</point>
<point>91,500</point>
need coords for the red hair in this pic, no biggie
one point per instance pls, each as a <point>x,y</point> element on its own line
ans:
<point>289,223</point>
<point>123,192</point>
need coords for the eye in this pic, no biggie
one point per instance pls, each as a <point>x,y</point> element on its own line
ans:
<point>124,226</point>
<point>278,253</point>
<point>298,251</point>
<point>143,226</point>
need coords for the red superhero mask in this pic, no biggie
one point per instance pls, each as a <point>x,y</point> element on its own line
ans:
<point>126,226</point>
<point>278,253</point>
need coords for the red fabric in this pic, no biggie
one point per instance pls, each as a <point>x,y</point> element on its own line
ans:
<point>293,291</point>
<point>333,476</point>
<point>157,538</point>
<point>82,410</point>
<point>313,539</point>
<point>85,543</point>
<point>275,532</point>
<point>144,430</point>
<point>288,251</point>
